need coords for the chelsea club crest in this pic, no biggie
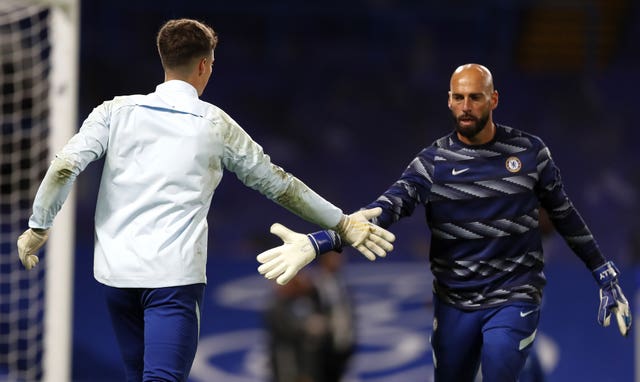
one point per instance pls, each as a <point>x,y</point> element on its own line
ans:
<point>513,164</point>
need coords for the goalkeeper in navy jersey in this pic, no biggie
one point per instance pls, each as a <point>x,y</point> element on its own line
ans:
<point>482,187</point>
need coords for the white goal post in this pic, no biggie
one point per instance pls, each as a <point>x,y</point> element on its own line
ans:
<point>39,44</point>
<point>64,100</point>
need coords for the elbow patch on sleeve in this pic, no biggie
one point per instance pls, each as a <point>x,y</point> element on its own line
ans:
<point>64,168</point>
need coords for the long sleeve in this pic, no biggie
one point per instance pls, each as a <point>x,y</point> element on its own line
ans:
<point>254,168</point>
<point>412,189</point>
<point>86,146</point>
<point>563,214</point>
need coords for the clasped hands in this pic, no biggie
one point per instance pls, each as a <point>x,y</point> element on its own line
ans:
<point>284,262</point>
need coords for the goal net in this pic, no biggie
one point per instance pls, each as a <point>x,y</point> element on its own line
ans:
<point>38,53</point>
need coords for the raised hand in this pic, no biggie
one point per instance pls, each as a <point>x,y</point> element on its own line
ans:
<point>285,261</point>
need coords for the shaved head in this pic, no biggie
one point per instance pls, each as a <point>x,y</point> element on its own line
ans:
<point>473,73</point>
<point>472,99</point>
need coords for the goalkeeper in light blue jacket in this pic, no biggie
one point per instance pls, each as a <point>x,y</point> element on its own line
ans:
<point>482,187</point>
<point>165,153</point>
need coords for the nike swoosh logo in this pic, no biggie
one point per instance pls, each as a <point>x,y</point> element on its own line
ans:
<point>458,172</point>
<point>525,314</point>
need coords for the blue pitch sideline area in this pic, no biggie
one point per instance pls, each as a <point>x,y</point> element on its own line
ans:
<point>394,324</point>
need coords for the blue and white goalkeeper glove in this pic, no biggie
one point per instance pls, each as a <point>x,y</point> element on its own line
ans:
<point>297,250</point>
<point>612,300</point>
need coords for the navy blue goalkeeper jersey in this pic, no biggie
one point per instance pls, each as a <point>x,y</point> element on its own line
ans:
<point>482,205</point>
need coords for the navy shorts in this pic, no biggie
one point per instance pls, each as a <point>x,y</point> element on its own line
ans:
<point>497,338</point>
<point>157,330</point>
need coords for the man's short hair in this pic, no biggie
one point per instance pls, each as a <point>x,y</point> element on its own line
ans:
<point>181,41</point>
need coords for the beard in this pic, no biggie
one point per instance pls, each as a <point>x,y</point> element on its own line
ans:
<point>470,131</point>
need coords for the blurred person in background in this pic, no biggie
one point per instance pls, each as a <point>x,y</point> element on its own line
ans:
<point>165,153</point>
<point>336,306</point>
<point>295,328</point>
<point>310,325</point>
<point>482,187</point>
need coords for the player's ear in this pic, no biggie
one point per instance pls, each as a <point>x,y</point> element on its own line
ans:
<point>202,65</point>
<point>494,99</point>
<point>449,100</point>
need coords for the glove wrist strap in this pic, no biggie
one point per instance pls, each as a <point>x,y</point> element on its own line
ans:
<point>606,273</point>
<point>325,241</point>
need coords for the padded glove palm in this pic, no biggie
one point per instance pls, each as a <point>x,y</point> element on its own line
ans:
<point>369,239</point>
<point>286,260</point>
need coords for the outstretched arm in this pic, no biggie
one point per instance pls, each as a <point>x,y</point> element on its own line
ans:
<point>86,146</point>
<point>254,168</point>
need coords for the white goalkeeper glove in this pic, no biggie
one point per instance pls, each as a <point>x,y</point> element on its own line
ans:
<point>28,245</point>
<point>298,250</point>
<point>366,237</point>
<point>286,260</point>
<point>612,300</point>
